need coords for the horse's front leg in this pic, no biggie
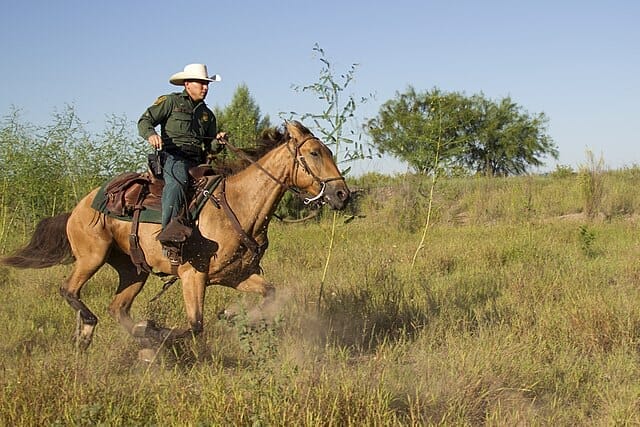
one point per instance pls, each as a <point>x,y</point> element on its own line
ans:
<point>258,285</point>
<point>193,291</point>
<point>194,284</point>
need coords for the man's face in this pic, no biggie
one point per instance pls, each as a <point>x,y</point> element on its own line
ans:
<point>197,89</point>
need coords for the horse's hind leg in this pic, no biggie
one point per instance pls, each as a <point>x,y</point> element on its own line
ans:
<point>70,290</point>
<point>130,284</point>
<point>90,243</point>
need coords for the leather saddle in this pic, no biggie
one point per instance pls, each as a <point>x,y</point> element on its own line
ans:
<point>133,191</point>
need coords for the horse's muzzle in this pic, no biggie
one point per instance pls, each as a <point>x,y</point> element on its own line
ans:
<point>337,194</point>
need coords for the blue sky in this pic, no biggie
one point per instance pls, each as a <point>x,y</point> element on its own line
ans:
<point>576,61</point>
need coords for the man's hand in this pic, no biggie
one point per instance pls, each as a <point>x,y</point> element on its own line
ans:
<point>156,141</point>
<point>222,138</point>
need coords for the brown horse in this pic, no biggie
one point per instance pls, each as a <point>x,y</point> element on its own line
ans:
<point>224,249</point>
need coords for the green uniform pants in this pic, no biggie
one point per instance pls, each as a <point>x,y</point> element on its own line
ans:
<point>176,184</point>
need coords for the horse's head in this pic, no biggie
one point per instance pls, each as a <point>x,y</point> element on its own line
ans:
<point>314,170</point>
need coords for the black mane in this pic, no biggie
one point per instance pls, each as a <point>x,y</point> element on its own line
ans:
<point>270,138</point>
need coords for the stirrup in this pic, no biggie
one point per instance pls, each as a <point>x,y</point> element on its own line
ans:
<point>173,253</point>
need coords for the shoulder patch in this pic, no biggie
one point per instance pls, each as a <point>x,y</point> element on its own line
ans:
<point>160,100</point>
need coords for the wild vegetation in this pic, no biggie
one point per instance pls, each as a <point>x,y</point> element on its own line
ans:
<point>521,309</point>
<point>461,300</point>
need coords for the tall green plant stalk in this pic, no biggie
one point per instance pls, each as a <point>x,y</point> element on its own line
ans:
<point>429,207</point>
<point>436,170</point>
<point>331,123</point>
<point>328,259</point>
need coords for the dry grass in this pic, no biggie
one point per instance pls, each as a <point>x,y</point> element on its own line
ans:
<point>510,316</point>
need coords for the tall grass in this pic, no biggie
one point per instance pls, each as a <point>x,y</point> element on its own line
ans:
<point>591,178</point>
<point>505,319</point>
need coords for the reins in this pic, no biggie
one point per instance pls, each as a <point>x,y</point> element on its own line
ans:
<point>244,156</point>
<point>248,241</point>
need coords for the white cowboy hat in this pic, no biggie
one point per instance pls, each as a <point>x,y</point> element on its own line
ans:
<point>193,72</point>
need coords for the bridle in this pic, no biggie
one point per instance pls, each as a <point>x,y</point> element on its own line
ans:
<point>298,161</point>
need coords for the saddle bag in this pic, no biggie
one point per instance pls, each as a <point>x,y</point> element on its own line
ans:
<point>122,195</point>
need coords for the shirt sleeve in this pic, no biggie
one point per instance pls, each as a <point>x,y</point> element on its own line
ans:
<point>153,116</point>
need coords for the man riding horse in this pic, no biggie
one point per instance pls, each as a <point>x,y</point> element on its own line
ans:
<point>224,249</point>
<point>188,133</point>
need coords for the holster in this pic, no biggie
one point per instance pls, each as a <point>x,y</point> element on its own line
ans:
<point>155,161</point>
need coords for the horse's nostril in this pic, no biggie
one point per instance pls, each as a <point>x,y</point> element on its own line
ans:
<point>342,195</point>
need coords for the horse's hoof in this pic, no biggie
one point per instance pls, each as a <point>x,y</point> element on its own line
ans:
<point>143,329</point>
<point>147,355</point>
<point>227,315</point>
<point>139,330</point>
<point>146,330</point>
<point>82,344</point>
<point>83,335</point>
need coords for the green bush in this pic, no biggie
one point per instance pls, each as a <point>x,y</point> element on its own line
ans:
<point>46,170</point>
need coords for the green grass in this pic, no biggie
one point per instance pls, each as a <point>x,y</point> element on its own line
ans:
<point>519,311</point>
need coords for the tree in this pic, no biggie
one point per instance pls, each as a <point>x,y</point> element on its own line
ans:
<point>331,123</point>
<point>241,119</point>
<point>474,133</point>
<point>507,140</point>
<point>420,128</point>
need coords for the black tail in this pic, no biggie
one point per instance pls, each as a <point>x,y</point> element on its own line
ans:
<point>49,246</point>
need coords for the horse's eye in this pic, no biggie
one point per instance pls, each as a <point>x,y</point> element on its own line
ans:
<point>314,153</point>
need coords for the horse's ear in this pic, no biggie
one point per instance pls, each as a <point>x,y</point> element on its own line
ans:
<point>287,127</point>
<point>295,129</point>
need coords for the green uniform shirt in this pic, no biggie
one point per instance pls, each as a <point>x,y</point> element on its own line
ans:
<point>186,128</point>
